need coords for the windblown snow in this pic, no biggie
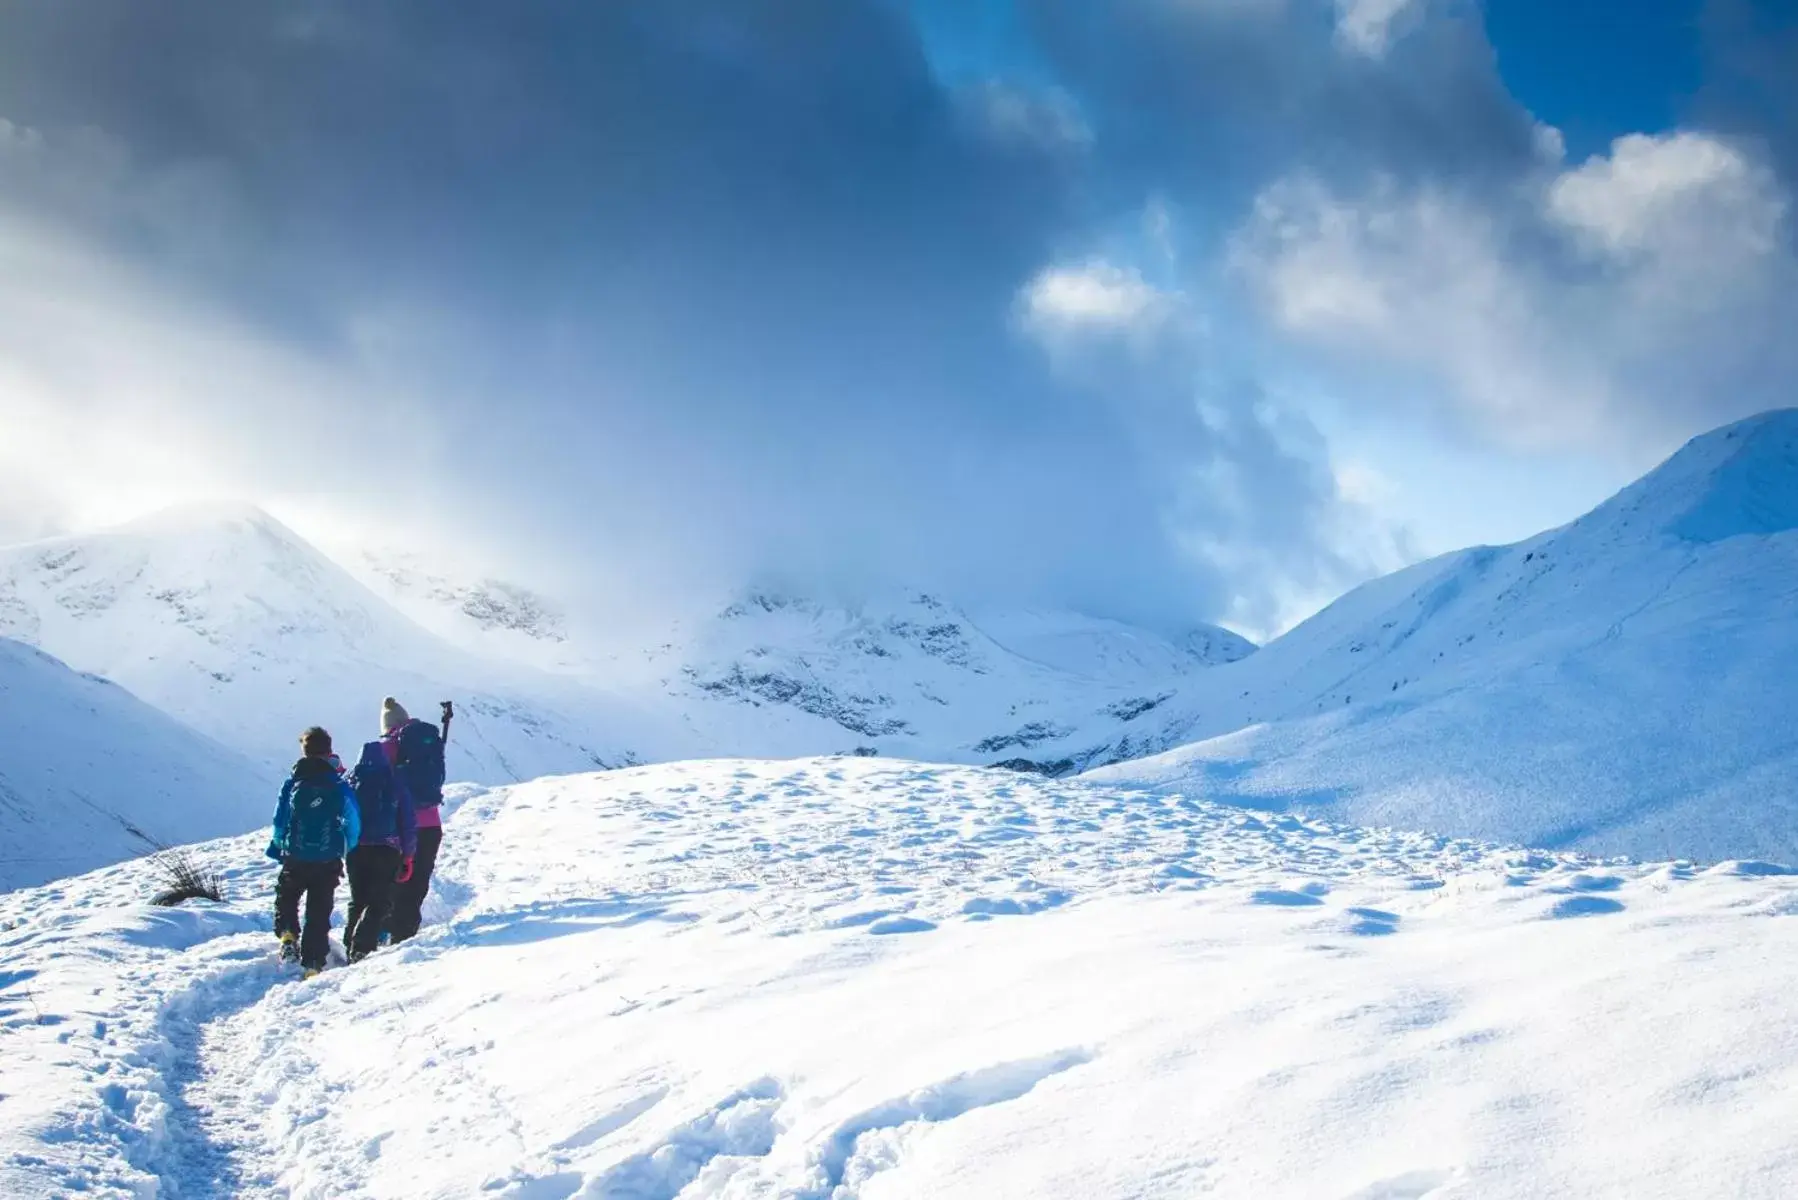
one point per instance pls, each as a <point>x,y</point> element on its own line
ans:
<point>850,978</point>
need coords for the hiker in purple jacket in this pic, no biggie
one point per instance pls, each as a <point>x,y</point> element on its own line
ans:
<point>415,749</point>
<point>383,857</point>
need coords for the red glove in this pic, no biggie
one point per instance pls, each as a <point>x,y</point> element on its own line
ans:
<point>405,870</point>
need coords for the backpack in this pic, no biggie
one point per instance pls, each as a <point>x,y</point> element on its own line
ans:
<point>421,763</point>
<point>315,821</point>
<point>377,796</point>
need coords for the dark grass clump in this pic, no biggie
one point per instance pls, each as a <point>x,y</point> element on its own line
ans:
<point>182,878</point>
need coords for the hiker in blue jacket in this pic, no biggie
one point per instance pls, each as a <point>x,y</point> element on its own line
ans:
<point>316,822</point>
<point>383,856</point>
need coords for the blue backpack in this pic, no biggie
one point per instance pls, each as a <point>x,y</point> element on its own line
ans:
<point>421,763</point>
<point>315,821</point>
<point>376,795</point>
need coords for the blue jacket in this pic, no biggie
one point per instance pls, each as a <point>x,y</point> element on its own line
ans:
<point>313,770</point>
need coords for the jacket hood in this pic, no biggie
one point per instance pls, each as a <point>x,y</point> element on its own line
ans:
<point>313,770</point>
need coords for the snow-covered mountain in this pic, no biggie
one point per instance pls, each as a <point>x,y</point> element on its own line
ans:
<point>228,620</point>
<point>917,677</point>
<point>90,774</point>
<point>1625,683</point>
<point>908,674</point>
<point>483,615</point>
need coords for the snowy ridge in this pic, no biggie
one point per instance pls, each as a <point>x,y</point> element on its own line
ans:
<point>92,775</point>
<point>1152,995</point>
<point>1621,684</point>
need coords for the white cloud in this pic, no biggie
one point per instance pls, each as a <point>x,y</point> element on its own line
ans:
<point>1412,279</point>
<point>1095,297</point>
<point>1367,26</point>
<point>1549,143</point>
<point>1593,304</point>
<point>1047,118</point>
<point>1685,194</point>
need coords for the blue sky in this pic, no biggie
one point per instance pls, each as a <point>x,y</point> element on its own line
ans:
<point>1173,310</point>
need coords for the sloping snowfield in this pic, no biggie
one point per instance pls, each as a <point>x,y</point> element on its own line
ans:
<point>854,978</point>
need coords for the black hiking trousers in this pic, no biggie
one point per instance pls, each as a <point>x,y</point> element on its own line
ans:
<point>409,897</point>
<point>317,883</point>
<point>372,869</point>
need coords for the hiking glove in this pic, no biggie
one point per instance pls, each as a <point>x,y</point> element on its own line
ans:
<point>405,871</point>
<point>274,851</point>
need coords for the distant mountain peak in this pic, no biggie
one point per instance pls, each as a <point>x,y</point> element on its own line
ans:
<point>1739,480</point>
<point>207,514</point>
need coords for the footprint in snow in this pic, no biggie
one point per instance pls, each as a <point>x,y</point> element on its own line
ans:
<point>741,1125</point>
<point>1306,896</point>
<point>872,1141</point>
<point>1371,922</point>
<point>1413,1185</point>
<point>1584,906</point>
<point>1593,883</point>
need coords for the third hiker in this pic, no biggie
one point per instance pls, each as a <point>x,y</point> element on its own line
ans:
<point>415,750</point>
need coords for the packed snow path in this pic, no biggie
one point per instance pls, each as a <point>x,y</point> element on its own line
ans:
<point>838,979</point>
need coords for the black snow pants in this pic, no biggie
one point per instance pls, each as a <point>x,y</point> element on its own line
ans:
<point>316,882</point>
<point>372,869</point>
<point>409,897</point>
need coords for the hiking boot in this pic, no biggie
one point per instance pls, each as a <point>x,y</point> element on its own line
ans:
<point>290,947</point>
<point>309,972</point>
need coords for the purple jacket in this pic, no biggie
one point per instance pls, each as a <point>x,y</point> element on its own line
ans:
<point>388,816</point>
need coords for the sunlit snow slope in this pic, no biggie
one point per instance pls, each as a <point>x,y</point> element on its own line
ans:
<point>839,979</point>
<point>1623,684</point>
<point>226,619</point>
<point>90,774</point>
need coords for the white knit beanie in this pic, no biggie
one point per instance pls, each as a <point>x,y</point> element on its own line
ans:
<point>393,715</point>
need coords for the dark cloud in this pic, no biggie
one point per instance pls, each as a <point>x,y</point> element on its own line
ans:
<point>1212,98</point>
<point>1751,74</point>
<point>675,293</point>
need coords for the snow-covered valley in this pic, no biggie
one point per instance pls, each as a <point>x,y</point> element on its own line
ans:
<point>855,978</point>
